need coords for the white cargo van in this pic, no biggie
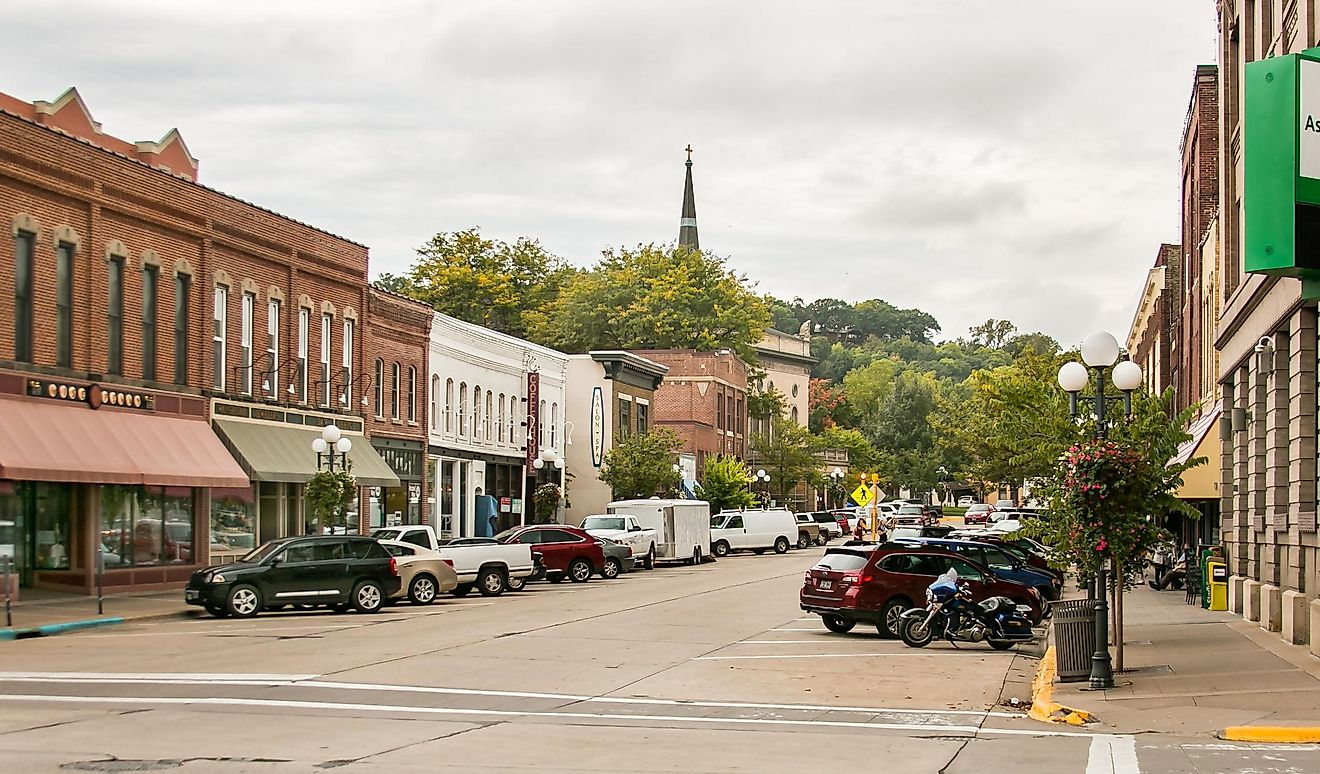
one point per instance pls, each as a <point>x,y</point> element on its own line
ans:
<point>682,527</point>
<point>753,531</point>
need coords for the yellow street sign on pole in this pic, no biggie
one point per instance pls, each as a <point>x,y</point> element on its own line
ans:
<point>862,495</point>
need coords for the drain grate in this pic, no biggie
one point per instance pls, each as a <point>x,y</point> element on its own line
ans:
<point>121,765</point>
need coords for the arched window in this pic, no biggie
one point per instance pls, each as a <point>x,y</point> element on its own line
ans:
<point>554,423</point>
<point>513,417</point>
<point>485,427</point>
<point>412,394</point>
<point>449,405</point>
<point>795,415</point>
<point>462,409</point>
<point>380,387</point>
<point>540,428</point>
<point>476,413</point>
<point>499,431</point>
<point>435,403</point>
<point>394,390</point>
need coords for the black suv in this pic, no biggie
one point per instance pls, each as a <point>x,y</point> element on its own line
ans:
<point>340,571</point>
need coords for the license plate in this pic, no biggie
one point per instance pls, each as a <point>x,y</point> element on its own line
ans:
<point>826,585</point>
<point>191,594</point>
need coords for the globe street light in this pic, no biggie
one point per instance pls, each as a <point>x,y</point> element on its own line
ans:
<point>1100,352</point>
<point>836,477</point>
<point>761,475</point>
<point>332,445</point>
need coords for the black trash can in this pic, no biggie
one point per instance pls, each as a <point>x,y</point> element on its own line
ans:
<point>1074,638</point>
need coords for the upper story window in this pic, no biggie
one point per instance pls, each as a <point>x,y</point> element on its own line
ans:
<point>379,389</point>
<point>245,340</point>
<point>24,250</point>
<point>625,418</point>
<point>540,426</point>
<point>64,304</point>
<point>499,430</point>
<point>476,413</point>
<point>462,409</point>
<point>327,324</point>
<point>272,381</point>
<point>220,320</point>
<point>114,315</point>
<point>485,427</point>
<point>412,394</point>
<point>449,405</point>
<point>554,425</point>
<point>304,322</point>
<point>150,295</point>
<point>347,397</point>
<point>643,416</point>
<point>182,286</point>
<point>394,390</point>
<point>719,411</point>
<point>435,403</point>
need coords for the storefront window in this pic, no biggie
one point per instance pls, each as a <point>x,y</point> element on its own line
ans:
<point>53,509</point>
<point>233,523</point>
<point>11,528</point>
<point>144,526</point>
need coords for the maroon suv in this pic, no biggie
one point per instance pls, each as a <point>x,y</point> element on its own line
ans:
<point>566,552</point>
<point>875,584</point>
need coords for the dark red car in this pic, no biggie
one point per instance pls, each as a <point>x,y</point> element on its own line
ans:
<point>566,552</point>
<point>876,584</point>
<point>979,513</point>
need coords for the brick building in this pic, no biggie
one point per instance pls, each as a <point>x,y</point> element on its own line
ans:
<point>1148,341</point>
<point>135,304</point>
<point>703,399</point>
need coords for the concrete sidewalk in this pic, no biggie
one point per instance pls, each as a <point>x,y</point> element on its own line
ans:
<point>39,608</point>
<point>1189,670</point>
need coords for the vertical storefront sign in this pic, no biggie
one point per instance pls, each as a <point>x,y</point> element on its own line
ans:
<point>1308,119</point>
<point>533,420</point>
<point>597,427</point>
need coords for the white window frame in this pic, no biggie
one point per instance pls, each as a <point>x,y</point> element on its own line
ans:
<point>304,325</point>
<point>476,413</point>
<point>273,346</point>
<point>245,340</point>
<point>396,377</point>
<point>327,328</point>
<point>412,394</point>
<point>219,331</point>
<point>347,398</point>
<point>449,407</point>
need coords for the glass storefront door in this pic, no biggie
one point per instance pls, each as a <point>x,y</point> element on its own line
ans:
<point>13,531</point>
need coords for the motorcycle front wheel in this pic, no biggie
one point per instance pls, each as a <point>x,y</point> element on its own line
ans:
<point>1001,644</point>
<point>915,633</point>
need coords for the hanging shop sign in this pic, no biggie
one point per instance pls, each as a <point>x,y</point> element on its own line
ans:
<point>93,395</point>
<point>533,419</point>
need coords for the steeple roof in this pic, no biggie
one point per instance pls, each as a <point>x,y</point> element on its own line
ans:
<point>687,228</point>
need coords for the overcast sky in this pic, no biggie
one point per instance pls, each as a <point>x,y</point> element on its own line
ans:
<point>1014,159</point>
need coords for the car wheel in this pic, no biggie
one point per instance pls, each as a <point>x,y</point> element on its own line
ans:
<point>781,545</point>
<point>649,562</point>
<point>838,624</point>
<point>422,590</point>
<point>462,590</point>
<point>721,548</point>
<point>217,611</point>
<point>891,616</point>
<point>612,569</point>
<point>804,540</point>
<point>915,632</point>
<point>516,584</point>
<point>822,540</point>
<point>243,602</point>
<point>579,571</point>
<point>368,597</point>
<point>490,582</point>
<point>555,578</point>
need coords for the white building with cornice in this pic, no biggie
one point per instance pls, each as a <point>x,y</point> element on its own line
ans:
<point>480,414</point>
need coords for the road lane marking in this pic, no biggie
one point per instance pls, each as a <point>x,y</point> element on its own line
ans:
<point>787,629</point>
<point>1113,755</point>
<point>804,655</point>
<point>404,709</point>
<point>780,642</point>
<point>115,676</point>
<point>301,681</point>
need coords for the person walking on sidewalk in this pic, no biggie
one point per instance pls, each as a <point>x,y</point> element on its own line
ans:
<point>1176,575</point>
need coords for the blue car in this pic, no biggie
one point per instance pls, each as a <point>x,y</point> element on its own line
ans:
<point>1004,564</point>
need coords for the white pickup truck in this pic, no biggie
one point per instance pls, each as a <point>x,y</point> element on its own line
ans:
<point>480,563</point>
<point>626,530</point>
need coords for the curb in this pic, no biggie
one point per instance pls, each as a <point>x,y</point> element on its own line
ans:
<point>1276,734</point>
<point>1043,706</point>
<point>59,628</point>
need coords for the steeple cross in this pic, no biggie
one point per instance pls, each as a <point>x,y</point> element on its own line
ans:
<point>689,151</point>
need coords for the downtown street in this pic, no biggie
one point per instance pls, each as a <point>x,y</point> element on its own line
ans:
<point>712,668</point>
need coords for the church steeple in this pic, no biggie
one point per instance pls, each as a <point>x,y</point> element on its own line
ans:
<point>687,228</point>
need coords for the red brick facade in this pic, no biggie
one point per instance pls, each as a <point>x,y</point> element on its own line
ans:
<point>703,399</point>
<point>1200,204</point>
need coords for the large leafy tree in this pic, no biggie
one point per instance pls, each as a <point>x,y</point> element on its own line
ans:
<point>642,465</point>
<point>788,454</point>
<point>725,484</point>
<point>657,296</point>
<point>901,432</point>
<point>883,320</point>
<point>484,281</point>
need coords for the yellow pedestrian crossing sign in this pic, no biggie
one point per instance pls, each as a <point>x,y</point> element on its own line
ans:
<point>862,495</point>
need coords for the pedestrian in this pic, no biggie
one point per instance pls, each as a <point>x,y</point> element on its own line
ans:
<point>1162,559</point>
<point>859,532</point>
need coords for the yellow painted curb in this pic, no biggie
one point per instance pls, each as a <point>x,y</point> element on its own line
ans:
<point>1043,707</point>
<point>1283,734</point>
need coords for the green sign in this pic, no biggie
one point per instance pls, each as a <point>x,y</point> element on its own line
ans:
<point>1281,155</point>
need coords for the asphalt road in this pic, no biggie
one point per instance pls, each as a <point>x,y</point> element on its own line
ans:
<point>678,670</point>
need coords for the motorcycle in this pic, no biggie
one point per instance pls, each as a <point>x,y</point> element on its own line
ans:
<point>951,614</point>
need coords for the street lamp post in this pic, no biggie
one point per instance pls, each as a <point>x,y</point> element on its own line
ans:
<point>761,475</point>
<point>332,446</point>
<point>1100,354</point>
<point>550,457</point>
<point>836,479</point>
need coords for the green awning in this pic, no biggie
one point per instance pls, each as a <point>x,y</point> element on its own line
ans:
<point>278,453</point>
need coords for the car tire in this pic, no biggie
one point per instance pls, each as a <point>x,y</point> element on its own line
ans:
<point>490,582</point>
<point>649,561</point>
<point>217,611</point>
<point>462,590</point>
<point>781,545</point>
<point>804,541</point>
<point>244,601</point>
<point>579,571</point>
<point>822,540</point>
<point>720,549</point>
<point>888,622</point>
<point>612,569</point>
<point>422,590</point>
<point>557,577</point>
<point>838,624</point>
<point>515,584</point>
<point>341,607</point>
<point>368,597</point>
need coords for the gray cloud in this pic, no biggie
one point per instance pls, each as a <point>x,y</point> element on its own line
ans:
<point>974,159</point>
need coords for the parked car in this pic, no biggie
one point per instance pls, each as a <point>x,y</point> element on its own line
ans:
<point>625,529</point>
<point>965,501</point>
<point>1002,562</point>
<point>755,531</point>
<point>566,552</point>
<point>481,563</point>
<point>1028,553</point>
<point>978,513</point>
<point>876,584</point>
<point>423,573</point>
<point>341,571</point>
<point>809,532</point>
<point>618,558</point>
<point>829,524</point>
<point>1005,505</point>
<point>916,515</point>
<point>681,526</point>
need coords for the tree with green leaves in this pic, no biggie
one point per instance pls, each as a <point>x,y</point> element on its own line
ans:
<point>767,404</point>
<point>726,484</point>
<point>485,281</point>
<point>870,387</point>
<point>993,333</point>
<point>788,454</point>
<point>862,455</point>
<point>882,320</point>
<point>642,465</point>
<point>900,430</point>
<point>657,297</point>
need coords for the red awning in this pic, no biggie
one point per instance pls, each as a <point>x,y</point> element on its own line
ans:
<point>47,441</point>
